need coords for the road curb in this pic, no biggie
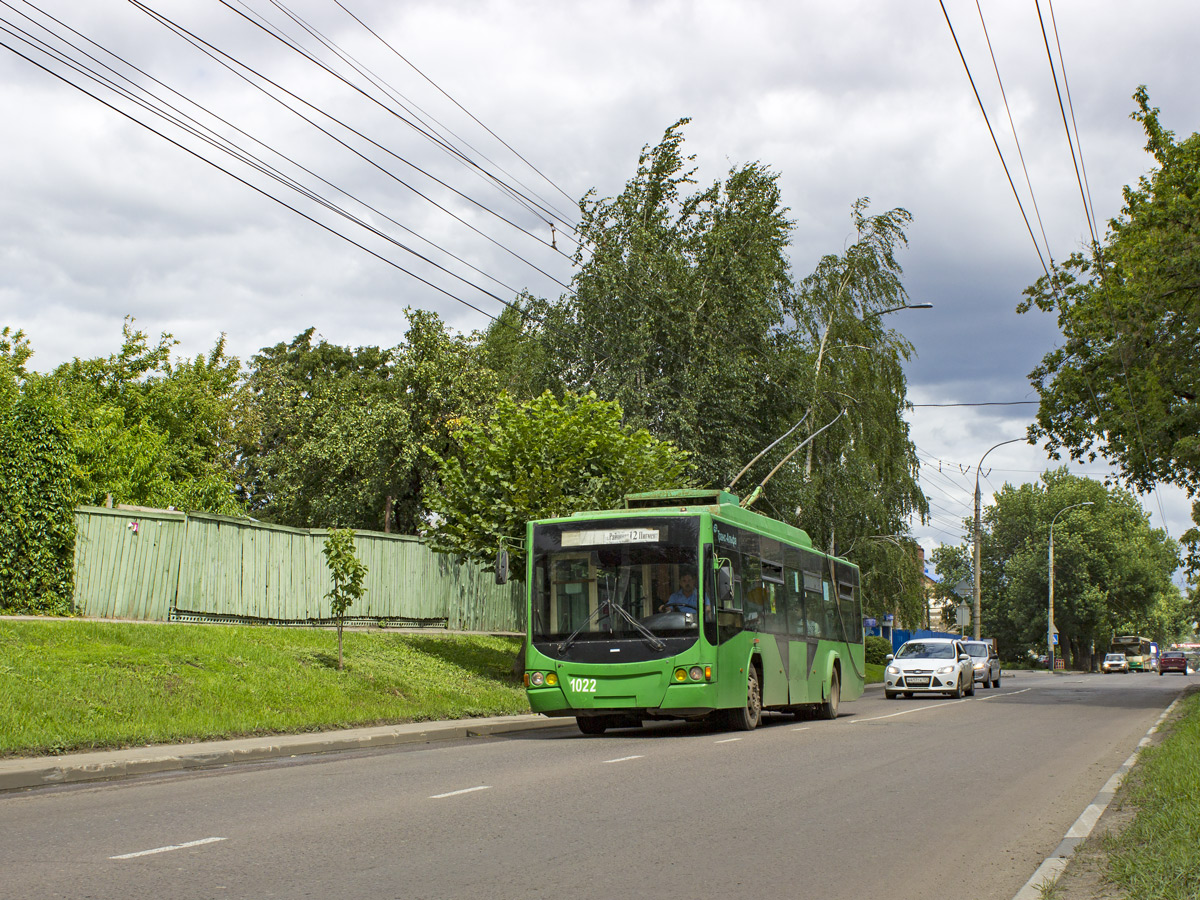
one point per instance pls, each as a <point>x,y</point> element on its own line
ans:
<point>77,768</point>
<point>1054,865</point>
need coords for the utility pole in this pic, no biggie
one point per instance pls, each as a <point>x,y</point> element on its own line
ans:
<point>978,528</point>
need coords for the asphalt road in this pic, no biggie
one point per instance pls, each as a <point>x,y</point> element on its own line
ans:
<point>914,798</point>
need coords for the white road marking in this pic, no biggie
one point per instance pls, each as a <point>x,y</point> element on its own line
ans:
<point>905,712</point>
<point>727,741</point>
<point>624,758</point>
<point>210,840</point>
<point>801,728</point>
<point>482,787</point>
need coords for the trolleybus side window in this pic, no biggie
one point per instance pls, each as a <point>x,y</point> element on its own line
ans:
<point>814,600</point>
<point>793,592</point>
<point>774,610</point>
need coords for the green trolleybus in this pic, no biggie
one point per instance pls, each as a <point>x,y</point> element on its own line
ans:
<point>684,605</point>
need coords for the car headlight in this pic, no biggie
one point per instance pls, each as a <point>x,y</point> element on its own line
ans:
<point>945,670</point>
<point>893,670</point>
<point>978,666</point>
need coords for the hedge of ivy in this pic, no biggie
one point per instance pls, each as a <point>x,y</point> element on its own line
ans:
<point>37,511</point>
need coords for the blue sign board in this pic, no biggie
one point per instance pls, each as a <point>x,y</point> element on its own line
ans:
<point>869,623</point>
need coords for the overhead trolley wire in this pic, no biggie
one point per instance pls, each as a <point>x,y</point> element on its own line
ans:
<point>213,53</point>
<point>1074,126</point>
<point>183,32</point>
<point>1012,125</point>
<point>1085,196</point>
<point>1067,128</point>
<point>206,134</point>
<point>532,203</point>
<point>438,87</point>
<point>995,143</point>
<point>243,181</point>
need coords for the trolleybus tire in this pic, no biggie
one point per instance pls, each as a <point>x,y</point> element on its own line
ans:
<point>748,717</point>
<point>829,709</point>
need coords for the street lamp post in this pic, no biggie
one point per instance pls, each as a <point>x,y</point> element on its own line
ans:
<point>978,526</point>
<point>1050,629</point>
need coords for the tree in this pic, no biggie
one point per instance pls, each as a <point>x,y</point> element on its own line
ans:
<point>1110,566</point>
<point>1124,383</point>
<point>955,564</point>
<point>677,305</point>
<point>147,430</point>
<point>684,311</point>
<point>540,459</point>
<point>333,436</point>
<point>347,572</point>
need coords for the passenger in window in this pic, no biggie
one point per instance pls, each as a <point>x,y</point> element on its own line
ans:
<point>684,599</point>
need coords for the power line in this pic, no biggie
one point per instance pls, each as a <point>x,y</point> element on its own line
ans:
<point>1012,125</point>
<point>438,87</point>
<point>995,143</point>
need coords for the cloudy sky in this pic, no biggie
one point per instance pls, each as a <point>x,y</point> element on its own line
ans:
<point>101,218</point>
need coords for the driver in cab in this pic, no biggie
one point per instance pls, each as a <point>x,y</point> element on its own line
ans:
<point>685,599</point>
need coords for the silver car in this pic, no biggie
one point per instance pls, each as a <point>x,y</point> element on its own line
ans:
<point>985,662</point>
<point>929,666</point>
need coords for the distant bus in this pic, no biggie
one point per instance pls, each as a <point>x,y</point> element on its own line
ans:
<point>1138,651</point>
<point>769,623</point>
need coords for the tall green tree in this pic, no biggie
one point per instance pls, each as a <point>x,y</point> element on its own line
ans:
<point>333,436</point>
<point>677,306</point>
<point>684,311</point>
<point>1111,567</point>
<point>1124,383</point>
<point>539,459</point>
<point>146,429</point>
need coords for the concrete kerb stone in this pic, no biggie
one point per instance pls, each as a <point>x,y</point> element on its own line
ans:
<point>1054,865</point>
<point>76,768</point>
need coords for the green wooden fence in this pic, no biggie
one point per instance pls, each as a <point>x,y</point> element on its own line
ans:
<point>171,566</point>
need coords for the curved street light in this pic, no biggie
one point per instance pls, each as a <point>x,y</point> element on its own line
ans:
<point>903,306</point>
<point>977,528</point>
<point>1050,629</point>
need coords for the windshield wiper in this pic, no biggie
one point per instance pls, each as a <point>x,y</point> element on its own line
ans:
<point>655,641</point>
<point>608,607</point>
<point>598,611</point>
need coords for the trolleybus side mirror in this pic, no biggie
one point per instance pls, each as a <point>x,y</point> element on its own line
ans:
<point>502,566</point>
<point>724,585</point>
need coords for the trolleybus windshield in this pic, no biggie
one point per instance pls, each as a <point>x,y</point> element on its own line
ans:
<point>604,580</point>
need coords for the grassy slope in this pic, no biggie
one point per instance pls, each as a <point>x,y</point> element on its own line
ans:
<point>72,685</point>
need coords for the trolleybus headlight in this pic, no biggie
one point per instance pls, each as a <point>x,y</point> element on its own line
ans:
<point>536,679</point>
<point>551,678</point>
<point>696,673</point>
<point>680,675</point>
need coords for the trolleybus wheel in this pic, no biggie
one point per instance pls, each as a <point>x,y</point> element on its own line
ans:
<point>748,717</point>
<point>829,709</point>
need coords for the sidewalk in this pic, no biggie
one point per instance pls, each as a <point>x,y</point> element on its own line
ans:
<point>73,768</point>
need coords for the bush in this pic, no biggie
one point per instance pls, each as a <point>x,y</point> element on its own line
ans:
<point>877,649</point>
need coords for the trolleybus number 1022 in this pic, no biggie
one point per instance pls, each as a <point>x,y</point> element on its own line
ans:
<point>583,685</point>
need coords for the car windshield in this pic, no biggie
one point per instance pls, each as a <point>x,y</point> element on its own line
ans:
<point>925,650</point>
<point>977,649</point>
<point>1115,657</point>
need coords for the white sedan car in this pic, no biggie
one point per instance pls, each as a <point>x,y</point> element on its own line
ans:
<point>929,665</point>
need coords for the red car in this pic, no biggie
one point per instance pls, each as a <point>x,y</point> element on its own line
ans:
<point>1172,661</point>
